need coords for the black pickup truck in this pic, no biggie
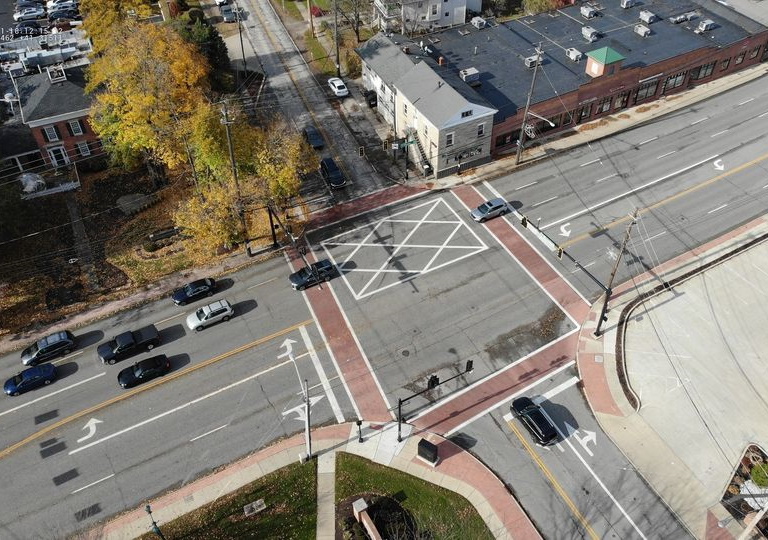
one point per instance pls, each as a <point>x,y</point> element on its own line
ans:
<point>129,343</point>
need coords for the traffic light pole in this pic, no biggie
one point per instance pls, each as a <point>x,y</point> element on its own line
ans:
<point>434,382</point>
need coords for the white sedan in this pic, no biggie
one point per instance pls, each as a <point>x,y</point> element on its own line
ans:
<point>29,14</point>
<point>338,87</point>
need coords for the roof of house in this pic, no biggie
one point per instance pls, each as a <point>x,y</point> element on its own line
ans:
<point>498,50</point>
<point>386,58</point>
<point>40,98</point>
<point>17,139</point>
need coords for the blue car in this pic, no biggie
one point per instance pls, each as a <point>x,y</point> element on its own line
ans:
<point>30,378</point>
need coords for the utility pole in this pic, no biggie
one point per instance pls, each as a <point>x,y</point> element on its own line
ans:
<point>521,138</point>
<point>240,31</point>
<point>609,289</point>
<point>189,151</point>
<point>311,18</point>
<point>336,37</point>
<point>307,432</point>
<point>226,121</point>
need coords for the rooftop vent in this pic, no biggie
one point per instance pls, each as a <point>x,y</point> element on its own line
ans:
<point>573,54</point>
<point>56,74</point>
<point>625,4</point>
<point>469,74</point>
<point>532,61</point>
<point>589,33</point>
<point>588,12</point>
<point>647,16</point>
<point>478,22</point>
<point>406,49</point>
<point>642,30</point>
<point>706,24</point>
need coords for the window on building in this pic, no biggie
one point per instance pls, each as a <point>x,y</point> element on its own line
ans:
<point>584,113</point>
<point>503,140</point>
<point>620,101</point>
<point>51,133</point>
<point>425,130</point>
<point>405,109</point>
<point>465,114</point>
<point>449,139</point>
<point>480,130</point>
<point>555,120</point>
<point>567,118</point>
<point>447,14</point>
<point>702,72</point>
<point>724,64</point>
<point>75,127</point>
<point>604,105</point>
<point>419,5</point>
<point>740,59</point>
<point>673,81</point>
<point>754,52</point>
<point>434,9</point>
<point>82,149</point>
<point>647,90</point>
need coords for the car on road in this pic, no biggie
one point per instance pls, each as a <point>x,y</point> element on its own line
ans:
<point>218,311</point>
<point>29,14</point>
<point>338,87</point>
<point>194,290</point>
<point>30,379</point>
<point>536,422</point>
<point>332,174</point>
<point>128,344</point>
<point>227,13</point>
<point>313,274</point>
<point>144,370</point>
<point>313,137</point>
<point>57,344</point>
<point>489,209</point>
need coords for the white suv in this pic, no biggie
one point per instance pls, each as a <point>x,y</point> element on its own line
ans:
<point>217,311</point>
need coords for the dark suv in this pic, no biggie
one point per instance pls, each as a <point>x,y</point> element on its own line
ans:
<point>58,344</point>
<point>331,173</point>
<point>313,274</point>
<point>534,419</point>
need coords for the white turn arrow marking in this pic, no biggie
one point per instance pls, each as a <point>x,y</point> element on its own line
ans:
<point>91,427</point>
<point>565,229</point>
<point>584,440</point>
<point>299,409</point>
<point>719,165</point>
<point>288,344</point>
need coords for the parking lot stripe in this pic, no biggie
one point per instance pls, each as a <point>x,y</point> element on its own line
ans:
<point>321,375</point>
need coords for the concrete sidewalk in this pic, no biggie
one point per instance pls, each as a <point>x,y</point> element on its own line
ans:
<point>456,470</point>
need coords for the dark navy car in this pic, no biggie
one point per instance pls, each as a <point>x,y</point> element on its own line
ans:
<point>30,379</point>
<point>313,274</point>
<point>194,290</point>
<point>144,371</point>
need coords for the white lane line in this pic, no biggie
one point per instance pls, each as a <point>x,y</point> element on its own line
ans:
<point>718,208</point>
<point>92,484</point>
<point>590,162</point>
<point>544,202</point>
<point>321,375</point>
<point>655,236</point>
<point>171,318</point>
<point>630,192</point>
<point>718,133</point>
<point>67,358</point>
<point>506,401</point>
<point>261,283</point>
<point>667,154</point>
<point>526,185</point>
<point>46,396</point>
<point>765,186</point>
<point>647,141</point>
<point>193,439</point>
<point>700,120</point>
<point>764,114</point>
<point>179,408</point>
<point>745,102</point>
<point>606,177</point>
<point>557,389</point>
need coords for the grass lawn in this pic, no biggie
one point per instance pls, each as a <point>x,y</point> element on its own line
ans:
<point>291,498</point>
<point>437,512</point>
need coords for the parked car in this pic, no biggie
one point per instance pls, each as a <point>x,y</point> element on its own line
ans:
<point>144,370</point>
<point>71,14</point>
<point>534,419</point>
<point>490,209</point>
<point>227,13</point>
<point>221,2</point>
<point>313,137</point>
<point>30,379</point>
<point>313,274</point>
<point>338,87</point>
<point>53,5</point>
<point>218,311</point>
<point>22,4</point>
<point>27,28</point>
<point>29,13</point>
<point>332,174</point>
<point>58,344</point>
<point>128,344</point>
<point>371,98</point>
<point>194,290</point>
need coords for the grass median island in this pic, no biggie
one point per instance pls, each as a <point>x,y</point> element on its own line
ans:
<point>429,511</point>
<point>290,495</point>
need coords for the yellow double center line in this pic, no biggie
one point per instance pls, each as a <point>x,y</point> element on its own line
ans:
<point>90,410</point>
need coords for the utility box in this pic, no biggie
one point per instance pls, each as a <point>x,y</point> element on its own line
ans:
<point>647,16</point>
<point>428,451</point>
<point>574,54</point>
<point>706,24</point>
<point>532,61</point>
<point>642,30</point>
<point>469,74</point>
<point>588,12</point>
<point>589,33</point>
<point>626,4</point>
<point>478,22</point>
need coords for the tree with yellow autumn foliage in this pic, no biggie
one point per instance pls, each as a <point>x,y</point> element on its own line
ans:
<point>102,17</point>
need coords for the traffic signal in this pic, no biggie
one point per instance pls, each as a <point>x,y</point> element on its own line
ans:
<point>362,151</point>
<point>560,253</point>
<point>385,145</point>
<point>434,380</point>
<point>524,221</point>
<point>470,365</point>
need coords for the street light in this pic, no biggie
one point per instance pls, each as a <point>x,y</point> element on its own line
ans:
<point>359,430</point>
<point>155,528</point>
